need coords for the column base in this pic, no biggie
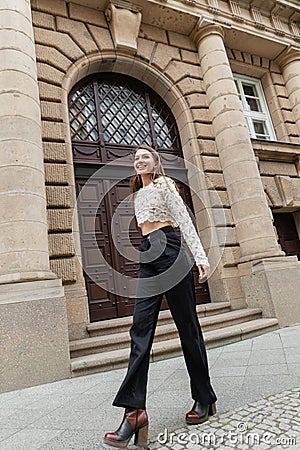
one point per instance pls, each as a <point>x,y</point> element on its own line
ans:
<point>260,256</point>
<point>33,334</point>
<point>19,277</point>
<point>273,284</point>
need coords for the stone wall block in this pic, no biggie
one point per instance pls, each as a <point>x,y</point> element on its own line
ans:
<point>277,78</point>
<point>227,237</point>
<point>61,245</point>
<point>60,220</point>
<point>153,33</point>
<point>54,152</point>
<point>51,111</point>
<point>222,217</point>
<point>280,91</point>
<point>197,100</point>
<point>181,41</point>
<point>284,103</point>
<point>211,164</point>
<point>230,256</point>
<point>163,54</point>
<point>216,179</point>
<point>87,15</point>
<point>218,198</point>
<point>50,74</point>
<point>201,115</point>
<point>58,196</point>
<point>53,131</point>
<point>56,173</point>
<point>79,34</point>
<point>189,57</point>
<point>102,38</point>
<point>61,41</point>
<point>65,269</point>
<point>272,192</point>
<point>277,168</point>
<point>42,20</point>
<point>208,147</point>
<point>49,91</point>
<point>176,71</point>
<point>292,129</point>
<point>145,49</point>
<point>56,7</point>
<point>203,130</point>
<point>53,57</point>
<point>190,85</point>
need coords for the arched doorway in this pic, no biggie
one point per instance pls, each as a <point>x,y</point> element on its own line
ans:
<point>111,114</point>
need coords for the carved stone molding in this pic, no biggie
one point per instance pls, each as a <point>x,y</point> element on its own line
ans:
<point>213,6</point>
<point>257,18</point>
<point>124,20</point>
<point>277,23</point>
<point>206,27</point>
<point>289,55</point>
<point>236,11</point>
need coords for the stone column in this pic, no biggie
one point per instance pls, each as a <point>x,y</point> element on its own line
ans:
<point>23,224</point>
<point>289,61</point>
<point>33,323</point>
<point>254,227</point>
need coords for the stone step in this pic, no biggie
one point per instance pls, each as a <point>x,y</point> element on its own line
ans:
<point>114,359</point>
<point>122,324</point>
<point>164,332</point>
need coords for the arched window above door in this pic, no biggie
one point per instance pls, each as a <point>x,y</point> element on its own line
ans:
<point>116,111</point>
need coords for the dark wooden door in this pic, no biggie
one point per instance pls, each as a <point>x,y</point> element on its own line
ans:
<point>287,233</point>
<point>110,115</point>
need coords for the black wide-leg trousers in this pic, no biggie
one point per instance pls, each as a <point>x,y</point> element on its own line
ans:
<point>165,268</point>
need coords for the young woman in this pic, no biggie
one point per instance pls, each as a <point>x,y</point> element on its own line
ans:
<point>165,268</point>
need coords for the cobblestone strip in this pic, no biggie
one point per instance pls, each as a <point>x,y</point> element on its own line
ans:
<point>270,423</point>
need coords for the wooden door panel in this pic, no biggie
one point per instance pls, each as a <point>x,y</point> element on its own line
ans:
<point>95,248</point>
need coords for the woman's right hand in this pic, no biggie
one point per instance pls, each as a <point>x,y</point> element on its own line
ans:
<point>203,272</point>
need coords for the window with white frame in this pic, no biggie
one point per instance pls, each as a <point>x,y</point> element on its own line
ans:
<point>255,107</point>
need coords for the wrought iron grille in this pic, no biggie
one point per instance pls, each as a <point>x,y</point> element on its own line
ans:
<point>118,110</point>
<point>83,120</point>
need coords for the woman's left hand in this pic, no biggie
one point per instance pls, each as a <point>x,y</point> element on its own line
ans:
<point>203,272</point>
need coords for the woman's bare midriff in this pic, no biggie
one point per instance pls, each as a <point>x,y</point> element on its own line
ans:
<point>147,227</point>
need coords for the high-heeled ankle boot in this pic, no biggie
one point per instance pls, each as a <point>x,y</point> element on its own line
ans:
<point>133,423</point>
<point>199,413</point>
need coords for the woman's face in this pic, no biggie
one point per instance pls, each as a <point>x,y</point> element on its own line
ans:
<point>143,162</point>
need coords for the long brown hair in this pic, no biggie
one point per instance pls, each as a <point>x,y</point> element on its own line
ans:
<point>136,181</point>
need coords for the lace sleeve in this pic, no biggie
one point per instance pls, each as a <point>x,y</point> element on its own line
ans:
<point>179,212</point>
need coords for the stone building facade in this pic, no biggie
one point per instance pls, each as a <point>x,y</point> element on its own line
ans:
<point>203,59</point>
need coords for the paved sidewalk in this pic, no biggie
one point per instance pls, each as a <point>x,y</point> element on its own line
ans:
<point>257,383</point>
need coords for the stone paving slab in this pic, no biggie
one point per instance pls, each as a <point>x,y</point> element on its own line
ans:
<point>269,423</point>
<point>255,380</point>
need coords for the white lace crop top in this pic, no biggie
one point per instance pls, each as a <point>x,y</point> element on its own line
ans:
<point>160,201</point>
